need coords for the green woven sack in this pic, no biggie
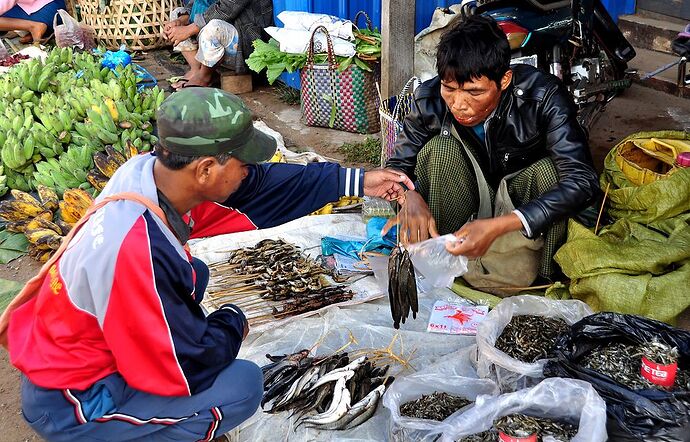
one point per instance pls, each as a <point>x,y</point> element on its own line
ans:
<point>641,263</point>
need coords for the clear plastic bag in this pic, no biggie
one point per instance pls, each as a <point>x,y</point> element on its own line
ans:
<point>555,398</point>
<point>71,33</point>
<point>510,373</point>
<point>432,260</point>
<point>376,208</point>
<point>449,376</point>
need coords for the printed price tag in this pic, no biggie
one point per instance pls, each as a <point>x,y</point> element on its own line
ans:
<point>505,438</point>
<point>663,375</point>
<point>456,319</point>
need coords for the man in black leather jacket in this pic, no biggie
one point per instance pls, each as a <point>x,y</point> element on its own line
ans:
<point>512,120</point>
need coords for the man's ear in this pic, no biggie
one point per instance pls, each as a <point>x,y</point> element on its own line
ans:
<point>507,78</point>
<point>204,169</point>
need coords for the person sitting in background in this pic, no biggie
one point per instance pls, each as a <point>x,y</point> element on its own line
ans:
<point>32,16</point>
<point>208,32</point>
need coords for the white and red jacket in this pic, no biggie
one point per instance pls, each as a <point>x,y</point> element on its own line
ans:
<point>121,298</point>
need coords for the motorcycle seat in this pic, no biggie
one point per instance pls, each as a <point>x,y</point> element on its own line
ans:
<point>681,46</point>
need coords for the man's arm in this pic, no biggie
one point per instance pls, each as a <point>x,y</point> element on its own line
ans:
<point>578,185</point>
<point>226,10</point>
<point>161,341</point>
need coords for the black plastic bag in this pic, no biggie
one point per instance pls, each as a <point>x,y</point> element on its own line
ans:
<point>633,415</point>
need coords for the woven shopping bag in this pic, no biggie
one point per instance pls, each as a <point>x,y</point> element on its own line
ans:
<point>393,111</point>
<point>344,100</point>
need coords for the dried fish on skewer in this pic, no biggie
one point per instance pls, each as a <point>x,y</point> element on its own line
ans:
<point>436,406</point>
<point>529,338</point>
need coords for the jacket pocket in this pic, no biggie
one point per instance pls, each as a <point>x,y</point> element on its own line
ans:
<point>514,158</point>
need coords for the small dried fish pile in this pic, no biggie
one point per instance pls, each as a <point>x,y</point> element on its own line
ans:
<point>520,425</point>
<point>529,338</point>
<point>621,362</point>
<point>273,280</point>
<point>402,286</point>
<point>436,406</point>
<point>341,393</point>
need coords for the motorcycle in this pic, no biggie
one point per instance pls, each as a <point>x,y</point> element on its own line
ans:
<point>575,40</point>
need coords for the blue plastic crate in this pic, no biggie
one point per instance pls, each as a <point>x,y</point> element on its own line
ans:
<point>291,79</point>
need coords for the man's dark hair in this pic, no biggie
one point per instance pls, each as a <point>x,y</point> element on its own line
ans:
<point>174,161</point>
<point>471,49</point>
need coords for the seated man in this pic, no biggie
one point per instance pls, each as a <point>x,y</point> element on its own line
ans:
<point>32,16</point>
<point>114,345</point>
<point>480,121</point>
<point>209,32</point>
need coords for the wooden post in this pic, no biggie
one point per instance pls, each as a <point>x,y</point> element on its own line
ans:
<point>397,39</point>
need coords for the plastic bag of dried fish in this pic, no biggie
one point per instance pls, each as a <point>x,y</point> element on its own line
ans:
<point>567,401</point>
<point>605,349</point>
<point>432,260</point>
<point>448,392</point>
<point>510,372</point>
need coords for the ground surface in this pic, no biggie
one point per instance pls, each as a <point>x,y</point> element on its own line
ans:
<point>639,109</point>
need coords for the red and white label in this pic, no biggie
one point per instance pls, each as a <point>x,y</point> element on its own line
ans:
<point>505,438</point>
<point>663,375</point>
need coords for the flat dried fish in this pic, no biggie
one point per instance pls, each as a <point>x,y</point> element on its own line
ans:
<point>402,286</point>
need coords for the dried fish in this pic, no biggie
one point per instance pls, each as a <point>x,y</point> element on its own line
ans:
<point>529,338</point>
<point>402,286</point>
<point>621,362</point>
<point>521,425</point>
<point>436,406</point>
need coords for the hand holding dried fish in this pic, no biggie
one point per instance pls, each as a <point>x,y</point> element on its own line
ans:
<point>402,286</point>
<point>436,406</point>
<point>529,338</point>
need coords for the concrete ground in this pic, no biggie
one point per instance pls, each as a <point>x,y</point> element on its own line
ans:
<point>639,109</point>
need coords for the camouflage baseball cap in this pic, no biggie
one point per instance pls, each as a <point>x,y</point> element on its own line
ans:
<point>207,121</point>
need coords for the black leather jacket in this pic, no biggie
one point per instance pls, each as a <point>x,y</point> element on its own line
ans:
<point>535,118</point>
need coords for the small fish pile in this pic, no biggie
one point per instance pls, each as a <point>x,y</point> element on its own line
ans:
<point>436,406</point>
<point>342,393</point>
<point>273,280</point>
<point>529,338</point>
<point>520,425</point>
<point>402,286</point>
<point>621,362</point>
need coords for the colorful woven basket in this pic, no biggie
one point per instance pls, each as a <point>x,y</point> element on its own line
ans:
<point>344,100</point>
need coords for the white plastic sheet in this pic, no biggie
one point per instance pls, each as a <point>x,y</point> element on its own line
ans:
<point>570,400</point>
<point>449,375</point>
<point>297,42</point>
<point>511,373</point>
<point>308,21</point>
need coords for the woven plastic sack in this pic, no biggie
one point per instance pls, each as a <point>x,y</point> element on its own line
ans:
<point>454,375</point>
<point>393,111</point>
<point>651,202</point>
<point>651,415</point>
<point>342,100</point>
<point>560,399</point>
<point>510,373</point>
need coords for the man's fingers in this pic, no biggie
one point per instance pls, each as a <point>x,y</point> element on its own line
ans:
<point>389,224</point>
<point>455,248</point>
<point>399,177</point>
<point>432,228</point>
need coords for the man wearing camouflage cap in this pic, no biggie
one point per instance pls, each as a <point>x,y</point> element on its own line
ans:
<point>114,345</point>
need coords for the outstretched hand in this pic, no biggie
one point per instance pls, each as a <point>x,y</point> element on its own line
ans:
<point>416,222</point>
<point>475,238</point>
<point>386,183</point>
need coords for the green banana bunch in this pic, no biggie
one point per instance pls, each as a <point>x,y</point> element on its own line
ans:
<point>3,181</point>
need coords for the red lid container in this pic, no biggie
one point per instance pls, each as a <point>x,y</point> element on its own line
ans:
<point>683,159</point>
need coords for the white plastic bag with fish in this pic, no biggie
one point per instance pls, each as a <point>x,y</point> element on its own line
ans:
<point>455,375</point>
<point>510,373</point>
<point>569,400</point>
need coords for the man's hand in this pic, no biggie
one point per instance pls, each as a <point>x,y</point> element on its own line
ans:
<point>475,238</point>
<point>416,222</point>
<point>246,330</point>
<point>178,34</point>
<point>386,183</point>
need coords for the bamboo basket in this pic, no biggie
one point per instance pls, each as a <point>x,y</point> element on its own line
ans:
<point>138,24</point>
